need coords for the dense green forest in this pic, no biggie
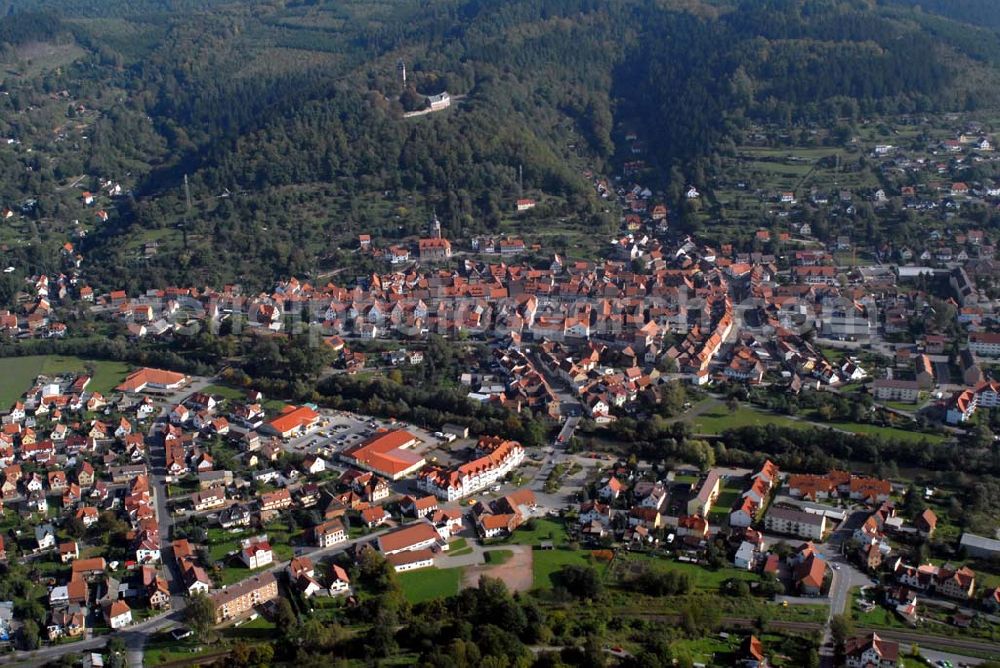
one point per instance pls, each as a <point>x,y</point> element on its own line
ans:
<point>976,12</point>
<point>286,115</point>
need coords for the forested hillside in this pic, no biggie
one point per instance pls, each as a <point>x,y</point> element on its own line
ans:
<point>975,12</point>
<point>286,115</point>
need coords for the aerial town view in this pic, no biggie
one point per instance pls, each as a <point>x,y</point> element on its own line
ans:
<point>537,333</point>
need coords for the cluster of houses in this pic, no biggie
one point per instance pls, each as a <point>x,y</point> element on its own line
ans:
<point>54,452</point>
<point>905,584</point>
<point>602,377</point>
<point>835,484</point>
<point>525,386</point>
<point>504,247</point>
<point>865,651</point>
<point>925,177</point>
<point>636,513</point>
<point>414,545</point>
<point>644,510</point>
<point>500,517</point>
<point>37,318</point>
<point>875,554</point>
<point>91,584</point>
<point>480,299</point>
<point>607,327</point>
<point>55,455</point>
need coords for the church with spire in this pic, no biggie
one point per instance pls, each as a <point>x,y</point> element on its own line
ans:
<point>434,247</point>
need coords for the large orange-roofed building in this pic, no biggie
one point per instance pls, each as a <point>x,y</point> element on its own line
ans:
<point>387,453</point>
<point>292,420</point>
<point>153,379</point>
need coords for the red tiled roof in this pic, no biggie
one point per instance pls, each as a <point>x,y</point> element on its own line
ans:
<point>401,558</point>
<point>293,418</point>
<point>87,565</point>
<point>402,538</point>
<point>142,377</point>
<point>386,453</point>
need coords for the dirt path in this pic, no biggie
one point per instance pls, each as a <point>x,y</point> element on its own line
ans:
<point>516,572</point>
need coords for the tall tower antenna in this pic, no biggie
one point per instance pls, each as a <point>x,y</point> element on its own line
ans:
<point>401,68</point>
<point>520,180</point>
<point>187,211</point>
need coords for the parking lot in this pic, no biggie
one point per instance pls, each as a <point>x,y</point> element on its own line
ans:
<point>338,430</point>
<point>446,453</point>
<point>333,433</point>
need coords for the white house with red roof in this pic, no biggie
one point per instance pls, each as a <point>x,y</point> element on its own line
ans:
<point>340,583</point>
<point>612,489</point>
<point>871,651</point>
<point>118,615</point>
<point>256,552</point>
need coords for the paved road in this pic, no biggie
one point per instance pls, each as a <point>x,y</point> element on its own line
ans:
<point>158,485</point>
<point>569,401</point>
<point>568,429</point>
<point>134,637</point>
<point>570,484</point>
<point>845,577</point>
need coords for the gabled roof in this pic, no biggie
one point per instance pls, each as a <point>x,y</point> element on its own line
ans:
<point>404,537</point>
<point>293,418</point>
<point>810,573</point>
<point>928,519</point>
<point>887,649</point>
<point>752,648</point>
<point>139,379</point>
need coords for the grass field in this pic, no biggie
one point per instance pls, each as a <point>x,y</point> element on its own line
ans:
<point>258,629</point>
<point>546,562</point>
<point>224,391</point>
<point>35,58</point>
<point>20,372</point>
<point>900,406</point>
<point>274,405</point>
<point>429,583</point>
<point>703,578</point>
<point>877,618</point>
<point>887,432</point>
<point>497,557</point>
<point>719,420</point>
<point>162,648</point>
<point>543,530</point>
<point>891,433</point>
<point>218,551</point>
<point>708,649</point>
<point>724,504</point>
